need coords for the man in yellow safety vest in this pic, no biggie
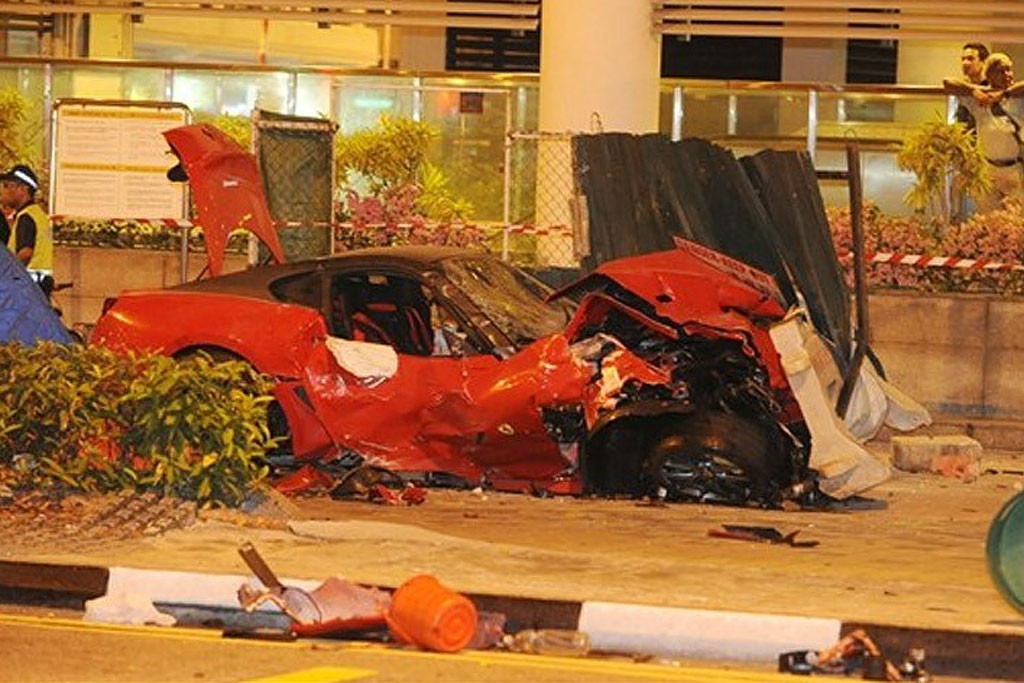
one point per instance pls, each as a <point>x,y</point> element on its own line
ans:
<point>29,236</point>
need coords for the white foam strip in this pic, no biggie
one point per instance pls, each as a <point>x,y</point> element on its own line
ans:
<point>187,588</point>
<point>702,634</point>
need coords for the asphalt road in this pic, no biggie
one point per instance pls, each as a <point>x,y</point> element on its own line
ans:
<point>39,647</point>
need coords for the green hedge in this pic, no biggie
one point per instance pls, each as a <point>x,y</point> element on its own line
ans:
<point>131,234</point>
<point>87,419</point>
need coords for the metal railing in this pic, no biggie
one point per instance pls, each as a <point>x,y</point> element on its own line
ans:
<point>473,147</point>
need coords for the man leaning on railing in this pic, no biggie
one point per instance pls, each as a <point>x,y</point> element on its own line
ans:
<point>998,110</point>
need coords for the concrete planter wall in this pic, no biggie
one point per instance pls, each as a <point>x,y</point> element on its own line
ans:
<point>959,354</point>
<point>100,273</point>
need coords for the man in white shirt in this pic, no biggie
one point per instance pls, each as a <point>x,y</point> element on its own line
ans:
<point>998,111</point>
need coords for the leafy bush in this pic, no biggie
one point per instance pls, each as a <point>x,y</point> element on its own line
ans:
<point>948,164</point>
<point>993,236</point>
<point>131,234</point>
<point>238,128</point>
<point>88,419</point>
<point>388,163</point>
<point>389,219</point>
<point>12,119</point>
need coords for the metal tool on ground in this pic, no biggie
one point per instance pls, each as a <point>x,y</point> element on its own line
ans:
<point>760,534</point>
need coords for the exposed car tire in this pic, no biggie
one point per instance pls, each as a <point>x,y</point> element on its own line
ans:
<point>714,457</point>
<point>709,456</point>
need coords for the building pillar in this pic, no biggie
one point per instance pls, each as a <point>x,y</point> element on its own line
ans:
<point>601,57</point>
<point>600,67</point>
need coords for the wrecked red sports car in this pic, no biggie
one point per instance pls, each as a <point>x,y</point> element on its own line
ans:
<point>662,380</point>
<point>444,363</point>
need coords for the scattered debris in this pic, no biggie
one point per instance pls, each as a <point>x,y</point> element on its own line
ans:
<point>306,479</point>
<point>420,612</point>
<point>377,485</point>
<point>760,534</point>
<point>336,606</point>
<point>856,650</point>
<point>553,642</point>
<point>425,613</point>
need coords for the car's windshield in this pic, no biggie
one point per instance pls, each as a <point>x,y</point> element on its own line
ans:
<point>511,299</point>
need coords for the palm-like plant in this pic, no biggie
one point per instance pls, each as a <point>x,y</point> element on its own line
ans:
<point>949,167</point>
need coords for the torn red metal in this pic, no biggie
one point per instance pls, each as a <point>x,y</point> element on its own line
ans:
<point>226,189</point>
<point>661,381</point>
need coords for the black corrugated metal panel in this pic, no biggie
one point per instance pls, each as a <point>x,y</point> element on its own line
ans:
<point>767,212</point>
<point>642,190</point>
<point>789,191</point>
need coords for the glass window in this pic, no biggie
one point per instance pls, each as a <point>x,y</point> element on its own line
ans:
<point>302,289</point>
<point>509,298</point>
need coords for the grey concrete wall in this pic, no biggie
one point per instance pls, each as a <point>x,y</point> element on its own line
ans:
<point>96,274</point>
<point>959,354</point>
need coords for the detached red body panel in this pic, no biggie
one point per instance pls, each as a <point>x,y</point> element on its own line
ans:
<point>226,189</point>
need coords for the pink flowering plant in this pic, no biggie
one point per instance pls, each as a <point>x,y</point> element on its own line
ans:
<point>996,236</point>
<point>392,195</point>
<point>390,218</point>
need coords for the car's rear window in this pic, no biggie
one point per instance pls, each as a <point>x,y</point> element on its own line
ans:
<point>302,289</point>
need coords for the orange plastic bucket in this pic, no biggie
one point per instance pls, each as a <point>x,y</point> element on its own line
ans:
<point>426,614</point>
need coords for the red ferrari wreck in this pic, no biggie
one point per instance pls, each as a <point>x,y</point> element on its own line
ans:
<point>662,380</point>
<point>428,359</point>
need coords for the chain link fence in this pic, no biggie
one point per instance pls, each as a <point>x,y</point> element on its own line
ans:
<point>545,215</point>
<point>296,158</point>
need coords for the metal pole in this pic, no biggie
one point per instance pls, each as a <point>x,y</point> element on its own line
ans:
<point>291,103</point>
<point>812,128</point>
<point>732,115</point>
<point>506,213</point>
<point>417,99</point>
<point>859,279</point>
<point>184,254</point>
<point>677,113</point>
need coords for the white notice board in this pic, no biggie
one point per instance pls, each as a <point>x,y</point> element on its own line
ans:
<point>110,160</point>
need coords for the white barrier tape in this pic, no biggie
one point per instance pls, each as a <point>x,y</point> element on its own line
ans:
<point>179,223</point>
<point>929,261</point>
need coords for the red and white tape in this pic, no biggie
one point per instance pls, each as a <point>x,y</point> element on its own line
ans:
<point>181,223</point>
<point>929,261</point>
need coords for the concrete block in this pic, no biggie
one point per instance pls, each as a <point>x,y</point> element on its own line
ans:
<point>100,273</point>
<point>951,320</point>
<point>1004,383</point>
<point>1005,324</point>
<point>956,456</point>
<point>944,378</point>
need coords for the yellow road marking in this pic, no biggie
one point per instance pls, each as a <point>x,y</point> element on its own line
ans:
<point>320,674</point>
<point>595,666</point>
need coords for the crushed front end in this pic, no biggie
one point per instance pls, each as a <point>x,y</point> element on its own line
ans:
<point>686,399</point>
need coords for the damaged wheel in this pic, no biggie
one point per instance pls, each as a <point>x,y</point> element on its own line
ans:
<point>714,457</point>
<point>707,457</point>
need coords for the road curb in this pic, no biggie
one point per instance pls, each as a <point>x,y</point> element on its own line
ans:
<point>635,629</point>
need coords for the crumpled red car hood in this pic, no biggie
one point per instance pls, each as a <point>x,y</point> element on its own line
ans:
<point>226,189</point>
<point>703,292</point>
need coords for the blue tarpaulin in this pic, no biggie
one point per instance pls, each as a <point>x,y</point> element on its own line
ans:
<point>25,314</point>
